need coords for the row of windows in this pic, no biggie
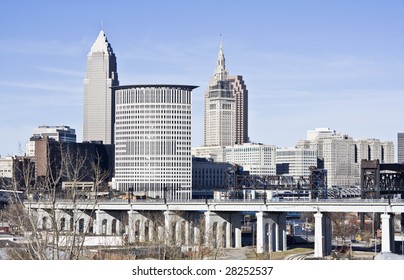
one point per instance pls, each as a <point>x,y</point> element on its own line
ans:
<point>221,91</point>
<point>147,133</point>
<point>153,95</point>
<point>152,153</point>
<point>154,161</point>
<point>175,161</point>
<point>154,106</point>
<point>153,111</point>
<point>166,186</point>
<point>152,123</point>
<point>137,175</point>
<point>124,115</point>
<point>155,128</point>
<point>152,185</point>
<point>152,137</point>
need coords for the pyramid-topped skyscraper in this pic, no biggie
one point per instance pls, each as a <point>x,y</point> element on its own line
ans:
<point>99,102</point>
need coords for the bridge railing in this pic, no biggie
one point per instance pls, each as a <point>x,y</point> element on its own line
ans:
<point>220,201</point>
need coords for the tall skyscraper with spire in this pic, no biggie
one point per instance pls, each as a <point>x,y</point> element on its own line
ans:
<point>99,102</point>
<point>226,102</point>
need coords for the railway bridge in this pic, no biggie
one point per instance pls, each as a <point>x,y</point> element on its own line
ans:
<point>216,222</point>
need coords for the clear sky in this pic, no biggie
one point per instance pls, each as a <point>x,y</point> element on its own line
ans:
<point>306,63</point>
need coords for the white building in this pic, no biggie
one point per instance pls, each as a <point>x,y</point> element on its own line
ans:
<point>298,160</point>
<point>342,155</point>
<point>153,140</point>
<point>319,133</point>
<point>6,167</point>
<point>60,133</point>
<point>338,154</point>
<point>215,153</point>
<point>258,159</point>
<point>388,155</point>
<point>372,149</point>
<point>99,102</point>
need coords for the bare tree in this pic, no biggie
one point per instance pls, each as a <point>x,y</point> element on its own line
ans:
<point>52,233</point>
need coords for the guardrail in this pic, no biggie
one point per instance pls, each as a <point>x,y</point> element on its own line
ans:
<point>220,201</point>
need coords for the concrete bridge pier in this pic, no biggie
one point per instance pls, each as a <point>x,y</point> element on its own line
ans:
<point>108,223</point>
<point>142,227</point>
<point>83,221</point>
<point>77,221</point>
<point>43,219</point>
<point>181,228</point>
<point>271,232</point>
<point>322,235</point>
<point>236,226</point>
<point>218,229</point>
<point>173,228</point>
<point>387,233</point>
<point>64,220</point>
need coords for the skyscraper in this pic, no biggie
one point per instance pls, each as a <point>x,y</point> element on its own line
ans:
<point>153,140</point>
<point>99,102</point>
<point>240,92</point>
<point>220,108</point>
<point>226,108</point>
<point>400,147</point>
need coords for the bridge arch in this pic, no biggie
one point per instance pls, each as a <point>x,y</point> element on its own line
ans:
<point>104,224</point>
<point>81,225</point>
<point>45,223</point>
<point>114,230</point>
<point>63,224</point>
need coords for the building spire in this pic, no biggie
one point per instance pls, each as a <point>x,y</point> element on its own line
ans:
<point>220,72</point>
<point>220,58</point>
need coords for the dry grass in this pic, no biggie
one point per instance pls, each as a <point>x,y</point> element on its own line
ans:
<point>281,255</point>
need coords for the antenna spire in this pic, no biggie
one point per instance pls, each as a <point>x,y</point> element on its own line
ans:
<point>221,40</point>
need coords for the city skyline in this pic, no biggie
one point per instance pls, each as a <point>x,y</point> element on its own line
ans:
<point>337,64</point>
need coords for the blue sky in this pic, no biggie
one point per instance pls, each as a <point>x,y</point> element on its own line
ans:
<point>306,64</point>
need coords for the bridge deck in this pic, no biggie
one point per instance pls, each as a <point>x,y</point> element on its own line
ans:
<point>329,205</point>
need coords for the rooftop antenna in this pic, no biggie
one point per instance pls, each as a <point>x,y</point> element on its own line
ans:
<point>220,39</point>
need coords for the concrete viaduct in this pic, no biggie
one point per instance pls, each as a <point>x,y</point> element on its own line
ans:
<point>215,223</point>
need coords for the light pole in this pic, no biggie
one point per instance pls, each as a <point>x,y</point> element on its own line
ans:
<point>269,242</point>
<point>374,232</point>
